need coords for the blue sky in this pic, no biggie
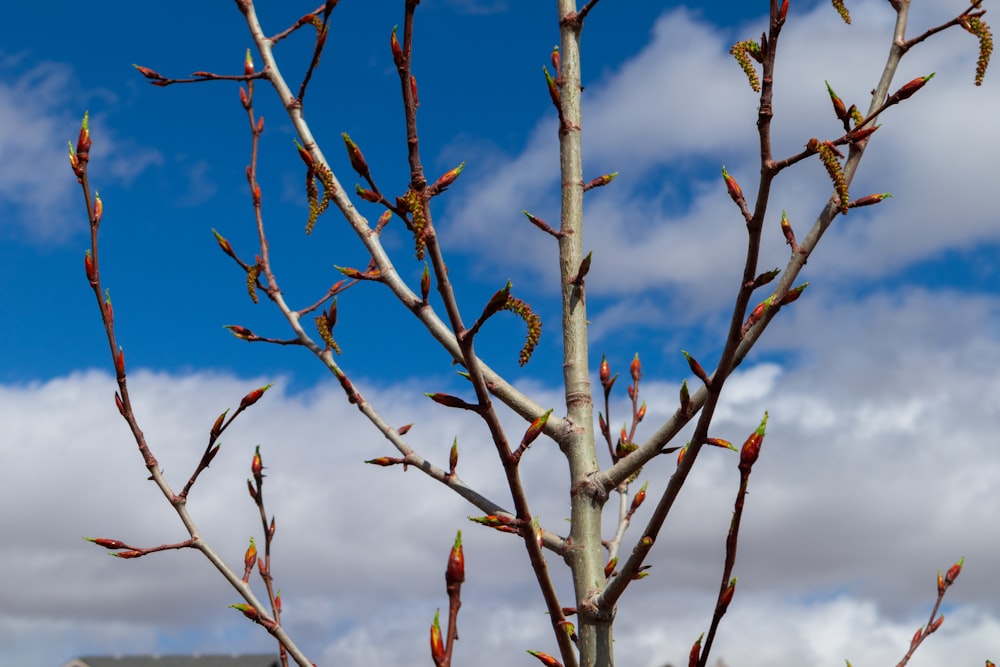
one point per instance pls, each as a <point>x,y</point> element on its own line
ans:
<point>881,457</point>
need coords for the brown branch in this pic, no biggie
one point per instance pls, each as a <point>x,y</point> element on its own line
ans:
<point>79,160</point>
<point>708,396</point>
<point>934,622</point>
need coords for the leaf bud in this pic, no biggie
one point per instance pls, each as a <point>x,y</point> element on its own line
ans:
<point>254,396</point>
<point>909,88</point>
<point>735,192</point>
<point>546,659</point>
<point>240,332</point>
<point>695,367</point>
<point>868,200</point>
<point>953,572</point>
<point>358,162</point>
<point>437,643</point>
<point>695,652</point>
<point>247,611</point>
<point>751,448</point>
<point>447,178</point>
<point>250,557</point>
<point>455,572</point>
<point>88,266</point>
<point>397,51</point>
<point>256,464</point>
<point>107,543</point>
<point>535,429</point>
<point>640,496</point>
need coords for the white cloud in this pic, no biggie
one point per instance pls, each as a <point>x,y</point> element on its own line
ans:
<point>668,118</point>
<point>36,184</point>
<point>877,470</point>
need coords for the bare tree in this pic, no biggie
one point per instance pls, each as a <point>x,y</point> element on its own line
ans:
<point>603,465</point>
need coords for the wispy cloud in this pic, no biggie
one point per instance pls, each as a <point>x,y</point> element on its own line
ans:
<point>36,186</point>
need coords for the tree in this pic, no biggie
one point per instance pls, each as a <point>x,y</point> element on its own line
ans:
<point>601,571</point>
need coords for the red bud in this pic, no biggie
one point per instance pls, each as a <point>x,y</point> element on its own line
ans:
<point>384,461</point>
<point>240,332</point>
<point>437,643</point>
<point>908,89</point>
<point>635,368</point>
<point>366,194</point>
<point>695,367</point>
<point>719,442</point>
<point>305,155</point>
<point>839,107</point>
<point>786,230</point>
<point>88,266</point>
<point>863,133</point>
<point>223,243</point>
<point>751,448</point>
<point>449,401</point>
<point>695,652</point>
<point>953,572</point>
<point>247,611</point>
<point>535,430</point>
<point>120,363</point>
<point>793,294</point>
<point>358,162</point>
<point>727,595</point>
<point>397,51</point>
<point>546,659</point>
<point>106,543</point>
<point>249,559</point>
<point>254,396</point>
<point>256,464</point>
<point>600,181</point>
<point>248,64</point>
<point>148,73</point>
<point>447,178</point>
<point>453,456</point>
<point>868,200</point>
<point>640,496</point>
<point>425,283</point>
<point>553,87</point>
<point>98,209</point>
<point>735,192</point>
<point>455,572</point>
